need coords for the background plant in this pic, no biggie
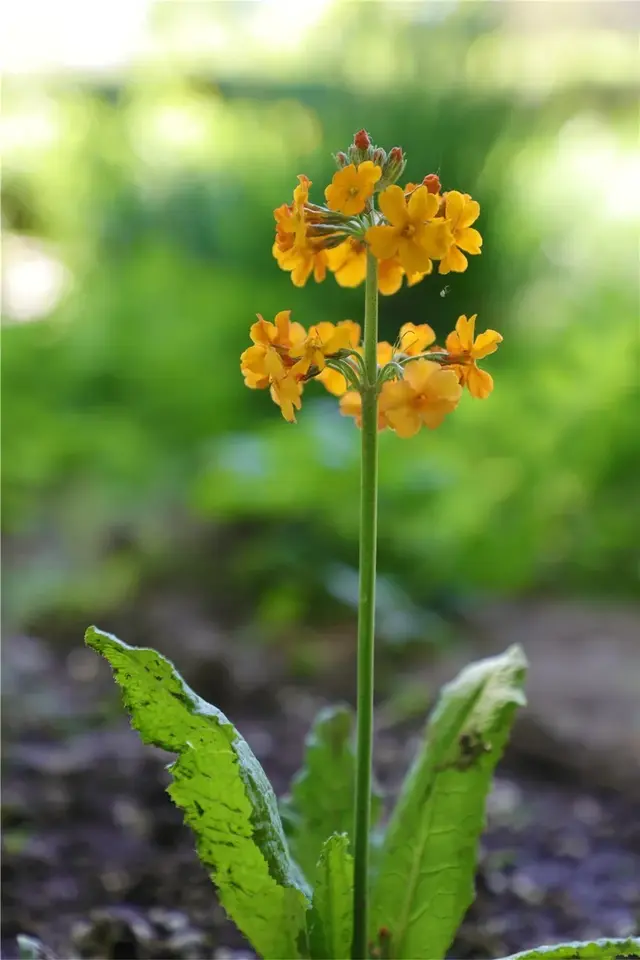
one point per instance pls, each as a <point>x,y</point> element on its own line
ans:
<point>120,430</point>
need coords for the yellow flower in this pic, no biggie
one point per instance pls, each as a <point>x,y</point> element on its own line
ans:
<point>351,187</point>
<point>293,249</point>
<point>287,393</point>
<point>301,262</point>
<point>323,340</point>
<point>351,406</point>
<point>268,363</point>
<point>390,274</point>
<point>425,396</point>
<point>414,340</point>
<point>290,219</point>
<point>412,234</point>
<point>348,262</point>
<point>461,211</point>
<point>464,351</point>
<point>333,380</point>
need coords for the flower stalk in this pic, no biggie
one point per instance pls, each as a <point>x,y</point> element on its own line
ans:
<point>366,612</point>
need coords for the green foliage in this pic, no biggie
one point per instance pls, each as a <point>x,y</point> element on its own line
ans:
<point>322,793</point>
<point>427,865</point>
<point>224,793</point>
<point>138,413</point>
<point>331,918</point>
<point>585,950</point>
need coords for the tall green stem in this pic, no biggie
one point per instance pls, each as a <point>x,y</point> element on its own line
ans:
<point>366,613</point>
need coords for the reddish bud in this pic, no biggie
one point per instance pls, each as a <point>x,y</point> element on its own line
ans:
<point>341,159</point>
<point>384,933</point>
<point>362,140</point>
<point>379,156</point>
<point>396,154</point>
<point>432,183</point>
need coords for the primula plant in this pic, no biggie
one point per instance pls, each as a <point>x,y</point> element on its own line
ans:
<point>323,876</point>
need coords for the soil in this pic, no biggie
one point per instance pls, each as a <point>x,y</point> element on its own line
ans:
<point>97,864</point>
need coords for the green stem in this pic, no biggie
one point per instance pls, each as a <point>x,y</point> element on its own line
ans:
<point>366,613</point>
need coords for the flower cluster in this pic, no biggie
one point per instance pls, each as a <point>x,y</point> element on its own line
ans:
<point>418,381</point>
<point>410,229</point>
<point>414,226</point>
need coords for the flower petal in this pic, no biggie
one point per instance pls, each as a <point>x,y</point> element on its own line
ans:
<point>353,270</point>
<point>390,274</point>
<point>412,255</point>
<point>454,260</point>
<point>465,328</point>
<point>351,405</point>
<point>384,353</point>
<point>454,206</point>
<point>418,373</point>
<point>470,213</point>
<point>422,205</point>
<point>432,414</point>
<point>453,345</point>
<point>405,421</point>
<point>333,381</point>
<point>436,238</point>
<point>414,339</point>
<point>282,326</point>
<point>262,331</point>
<point>369,172</point>
<point>479,382</point>
<point>393,206</point>
<point>445,385</point>
<point>486,343</point>
<point>383,241</point>
<point>469,240</point>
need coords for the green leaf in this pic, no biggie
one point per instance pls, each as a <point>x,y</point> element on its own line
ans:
<point>225,795</point>
<point>584,950</point>
<point>331,917</point>
<point>427,864</point>
<point>322,793</point>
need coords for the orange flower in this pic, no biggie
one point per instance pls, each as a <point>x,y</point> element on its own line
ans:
<point>461,211</point>
<point>390,273</point>
<point>352,186</point>
<point>348,262</point>
<point>268,363</point>
<point>287,393</point>
<point>412,234</point>
<point>301,262</point>
<point>349,265</point>
<point>414,340</point>
<point>293,249</point>
<point>331,379</point>
<point>323,340</point>
<point>351,406</point>
<point>424,397</point>
<point>464,351</point>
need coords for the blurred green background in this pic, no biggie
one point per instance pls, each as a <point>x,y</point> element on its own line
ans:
<point>142,160</point>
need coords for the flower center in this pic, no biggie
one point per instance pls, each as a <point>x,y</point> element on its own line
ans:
<point>408,230</point>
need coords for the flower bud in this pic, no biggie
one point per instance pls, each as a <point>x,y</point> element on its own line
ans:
<point>392,168</point>
<point>432,183</point>
<point>341,159</point>
<point>379,157</point>
<point>362,140</point>
<point>361,149</point>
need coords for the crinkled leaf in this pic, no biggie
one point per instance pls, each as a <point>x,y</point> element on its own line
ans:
<point>225,795</point>
<point>584,950</point>
<point>425,879</point>
<point>331,916</point>
<point>321,801</point>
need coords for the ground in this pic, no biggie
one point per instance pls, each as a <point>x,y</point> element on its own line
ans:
<point>96,861</point>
